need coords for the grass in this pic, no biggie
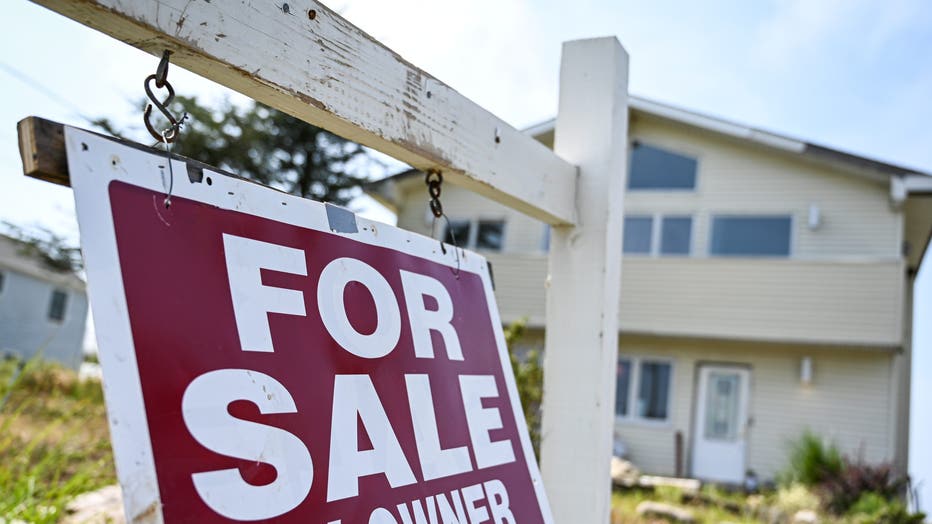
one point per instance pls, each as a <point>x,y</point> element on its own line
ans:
<point>624,505</point>
<point>54,441</point>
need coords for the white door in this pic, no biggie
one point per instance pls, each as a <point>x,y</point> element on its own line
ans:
<point>720,440</point>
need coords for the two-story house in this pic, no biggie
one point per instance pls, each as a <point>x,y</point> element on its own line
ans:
<point>43,312</point>
<point>766,290</point>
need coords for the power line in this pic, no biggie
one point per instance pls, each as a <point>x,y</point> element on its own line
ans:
<point>52,95</point>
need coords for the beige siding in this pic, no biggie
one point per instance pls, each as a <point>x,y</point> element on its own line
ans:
<point>735,177</point>
<point>843,302</point>
<point>522,234</point>
<point>848,401</point>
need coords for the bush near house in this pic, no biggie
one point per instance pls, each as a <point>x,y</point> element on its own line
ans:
<point>859,491</point>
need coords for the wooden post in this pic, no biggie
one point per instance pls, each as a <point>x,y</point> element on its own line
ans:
<point>310,63</point>
<point>585,281</point>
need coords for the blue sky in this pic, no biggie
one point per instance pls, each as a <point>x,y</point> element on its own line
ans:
<point>850,74</point>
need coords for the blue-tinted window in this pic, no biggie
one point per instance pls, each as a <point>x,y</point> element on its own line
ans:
<point>676,235</point>
<point>655,168</point>
<point>457,233</point>
<point>622,385</point>
<point>57,303</point>
<point>490,235</point>
<point>654,390</point>
<point>637,234</point>
<point>751,236</point>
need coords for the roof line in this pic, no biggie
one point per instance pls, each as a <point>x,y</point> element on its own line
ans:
<point>753,134</point>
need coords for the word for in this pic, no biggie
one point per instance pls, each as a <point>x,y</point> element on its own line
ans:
<point>354,399</point>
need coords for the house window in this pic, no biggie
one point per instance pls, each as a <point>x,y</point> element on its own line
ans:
<point>656,168</point>
<point>638,235</point>
<point>676,235</point>
<point>487,235</point>
<point>57,303</point>
<point>2,277</point>
<point>671,236</point>
<point>457,232</point>
<point>642,389</point>
<point>751,236</point>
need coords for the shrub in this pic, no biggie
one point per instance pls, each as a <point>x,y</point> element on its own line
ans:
<point>856,481</point>
<point>529,379</point>
<point>873,508</point>
<point>813,461</point>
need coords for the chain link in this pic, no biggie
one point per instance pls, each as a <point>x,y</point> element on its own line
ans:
<point>434,180</point>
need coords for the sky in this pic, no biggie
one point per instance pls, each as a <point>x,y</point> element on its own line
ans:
<point>849,74</point>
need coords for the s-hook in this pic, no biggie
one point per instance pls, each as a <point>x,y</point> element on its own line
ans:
<point>170,133</point>
<point>161,81</point>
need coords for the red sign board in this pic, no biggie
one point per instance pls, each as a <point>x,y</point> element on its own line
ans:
<point>268,358</point>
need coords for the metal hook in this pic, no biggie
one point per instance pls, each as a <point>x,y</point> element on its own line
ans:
<point>170,136</point>
<point>161,81</point>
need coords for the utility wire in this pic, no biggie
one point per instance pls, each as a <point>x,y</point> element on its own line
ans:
<point>52,95</point>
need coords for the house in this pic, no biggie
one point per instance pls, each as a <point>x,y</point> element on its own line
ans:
<point>766,290</point>
<point>43,311</point>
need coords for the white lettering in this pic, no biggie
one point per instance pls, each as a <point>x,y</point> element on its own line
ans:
<point>497,496</point>
<point>355,396</point>
<point>333,280</point>
<point>204,409</point>
<point>423,320</point>
<point>482,420</point>
<point>472,494</point>
<point>435,462</point>
<point>252,301</point>
<point>418,509</point>
<point>381,516</point>
<point>454,515</point>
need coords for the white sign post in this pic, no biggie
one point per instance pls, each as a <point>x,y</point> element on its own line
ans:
<point>309,62</point>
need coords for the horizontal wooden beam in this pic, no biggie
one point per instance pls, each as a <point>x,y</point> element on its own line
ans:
<point>302,58</point>
<point>42,149</point>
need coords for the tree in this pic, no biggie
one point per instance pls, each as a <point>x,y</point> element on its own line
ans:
<point>54,250</point>
<point>268,146</point>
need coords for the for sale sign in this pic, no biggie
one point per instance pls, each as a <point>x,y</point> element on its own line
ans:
<point>269,358</point>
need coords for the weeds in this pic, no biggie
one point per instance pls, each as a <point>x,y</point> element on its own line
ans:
<point>54,442</point>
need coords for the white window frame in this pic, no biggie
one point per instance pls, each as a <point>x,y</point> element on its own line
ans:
<point>473,236</point>
<point>634,385</point>
<point>656,234</point>
<point>791,252</point>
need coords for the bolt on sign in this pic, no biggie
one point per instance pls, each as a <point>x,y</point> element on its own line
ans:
<point>269,358</point>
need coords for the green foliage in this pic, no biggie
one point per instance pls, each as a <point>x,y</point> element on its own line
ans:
<point>529,377</point>
<point>45,245</point>
<point>54,443</point>
<point>874,508</point>
<point>857,479</point>
<point>812,461</point>
<point>268,146</point>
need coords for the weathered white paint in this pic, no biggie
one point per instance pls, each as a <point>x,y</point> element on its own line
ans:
<point>585,278</point>
<point>325,71</point>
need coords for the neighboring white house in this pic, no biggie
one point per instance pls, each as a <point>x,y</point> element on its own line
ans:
<point>766,290</point>
<point>42,311</point>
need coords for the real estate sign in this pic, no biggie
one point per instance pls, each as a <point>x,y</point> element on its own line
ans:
<point>270,358</point>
